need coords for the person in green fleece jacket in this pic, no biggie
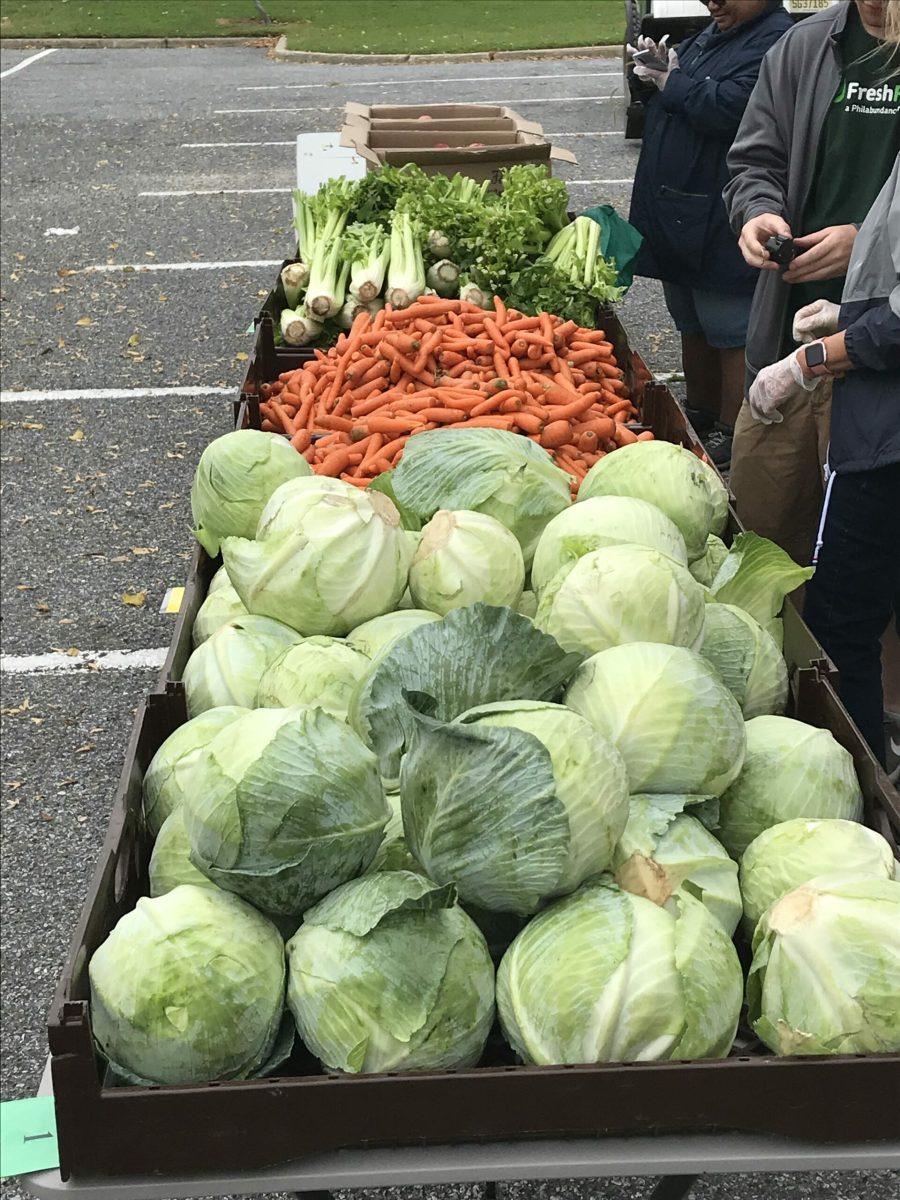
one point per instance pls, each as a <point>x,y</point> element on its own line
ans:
<point>817,143</point>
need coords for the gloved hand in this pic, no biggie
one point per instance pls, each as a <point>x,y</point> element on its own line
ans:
<point>653,74</point>
<point>816,320</point>
<point>776,384</point>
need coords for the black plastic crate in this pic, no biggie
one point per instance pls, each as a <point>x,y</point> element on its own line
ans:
<point>252,1124</point>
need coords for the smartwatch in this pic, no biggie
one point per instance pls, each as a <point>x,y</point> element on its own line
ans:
<point>816,357</point>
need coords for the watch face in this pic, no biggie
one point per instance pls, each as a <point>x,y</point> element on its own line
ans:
<point>815,355</point>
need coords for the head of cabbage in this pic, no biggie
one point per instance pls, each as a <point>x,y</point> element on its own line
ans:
<point>475,655</point>
<point>489,471</point>
<point>388,973</point>
<point>170,862</point>
<point>463,557</point>
<point>599,522</point>
<point>235,477</point>
<point>288,805</point>
<point>374,638</point>
<point>622,594</point>
<point>672,478</point>
<point>676,725</point>
<point>227,667</point>
<point>220,606</point>
<point>167,779</point>
<point>326,557</point>
<point>513,802</point>
<point>188,988</point>
<point>608,976</point>
<point>847,926</point>
<point>704,569</point>
<point>746,657</point>
<point>319,672</point>
<point>786,855</point>
<point>665,851</point>
<point>791,769</point>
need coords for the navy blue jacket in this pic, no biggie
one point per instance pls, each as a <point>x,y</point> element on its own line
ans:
<point>865,406</point>
<point>677,197</point>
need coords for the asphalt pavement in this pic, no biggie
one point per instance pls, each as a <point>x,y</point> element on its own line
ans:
<point>97,458</point>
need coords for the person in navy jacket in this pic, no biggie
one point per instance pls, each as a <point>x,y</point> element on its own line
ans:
<point>702,91</point>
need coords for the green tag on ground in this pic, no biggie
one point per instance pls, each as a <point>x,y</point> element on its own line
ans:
<point>27,1136</point>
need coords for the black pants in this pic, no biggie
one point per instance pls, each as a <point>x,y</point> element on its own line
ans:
<point>856,589</point>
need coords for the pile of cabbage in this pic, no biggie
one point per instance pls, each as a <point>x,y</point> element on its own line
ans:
<point>460,753</point>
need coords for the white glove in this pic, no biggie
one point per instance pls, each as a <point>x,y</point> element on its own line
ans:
<point>816,320</point>
<point>776,384</point>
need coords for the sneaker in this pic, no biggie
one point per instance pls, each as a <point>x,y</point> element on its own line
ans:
<point>718,446</point>
<point>701,420</point>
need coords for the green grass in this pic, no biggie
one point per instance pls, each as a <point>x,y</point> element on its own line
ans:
<point>343,26</point>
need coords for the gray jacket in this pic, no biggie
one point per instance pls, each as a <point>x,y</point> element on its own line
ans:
<point>865,407</point>
<point>773,156</point>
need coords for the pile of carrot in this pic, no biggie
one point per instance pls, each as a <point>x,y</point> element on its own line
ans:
<point>449,364</point>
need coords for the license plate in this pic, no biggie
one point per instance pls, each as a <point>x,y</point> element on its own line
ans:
<point>807,6</point>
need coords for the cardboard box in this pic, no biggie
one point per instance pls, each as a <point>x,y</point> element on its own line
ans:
<point>518,141</point>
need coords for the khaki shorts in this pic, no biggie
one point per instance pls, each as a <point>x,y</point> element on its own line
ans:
<point>777,471</point>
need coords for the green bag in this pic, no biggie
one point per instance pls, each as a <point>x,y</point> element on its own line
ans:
<point>619,241</point>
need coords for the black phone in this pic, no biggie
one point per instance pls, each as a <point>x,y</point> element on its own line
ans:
<point>781,249</point>
<point>648,58</point>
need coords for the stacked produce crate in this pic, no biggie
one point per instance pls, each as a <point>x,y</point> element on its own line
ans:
<point>593,386</point>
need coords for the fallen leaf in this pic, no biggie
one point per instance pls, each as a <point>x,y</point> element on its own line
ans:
<point>77,436</point>
<point>13,802</point>
<point>135,599</point>
<point>45,816</point>
<point>85,749</point>
<point>72,652</point>
<point>14,784</point>
<point>32,425</point>
<point>42,608</point>
<point>120,558</point>
<point>84,321</point>
<point>242,356</point>
<point>167,504</point>
<point>134,339</point>
<point>144,549</point>
<point>20,708</point>
<point>25,587</point>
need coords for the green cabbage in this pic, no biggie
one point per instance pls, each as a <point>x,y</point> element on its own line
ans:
<point>373,638</point>
<point>668,713</point>
<point>287,806</point>
<point>826,968</point>
<point>227,667</point>
<point>464,557</point>
<point>501,474</point>
<point>665,851</point>
<point>236,475</point>
<point>704,569</point>
<point>219,607</point>
<point>599,522</point>
<point>791,770</point>
<point>607,976</point>
<point>168,777</point>
<point>188,987</point>
<point>388,973</point>
<point>672,478</point>
<point>622,594</point>
<point>718,494</point>
<point>747,659</point>
<point>475,655</point>
<point>786,855</point>
<point>327,556</point>
<point>318,672</point>
<point>170,862</point>
<point>394,853</point>
<point>756,576</point>
<point>513,802</point>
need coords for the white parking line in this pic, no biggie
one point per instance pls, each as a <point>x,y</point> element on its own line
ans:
<point>273,87</point>
<point>140,268</point>
<point>224,192</point>
<point>84,660</point>
<point>228,145</point>
<point>26,62</point>
<point>228,112</point>
<point>73,394</point>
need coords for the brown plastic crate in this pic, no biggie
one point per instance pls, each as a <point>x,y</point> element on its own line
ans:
<point>251,1124</point>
